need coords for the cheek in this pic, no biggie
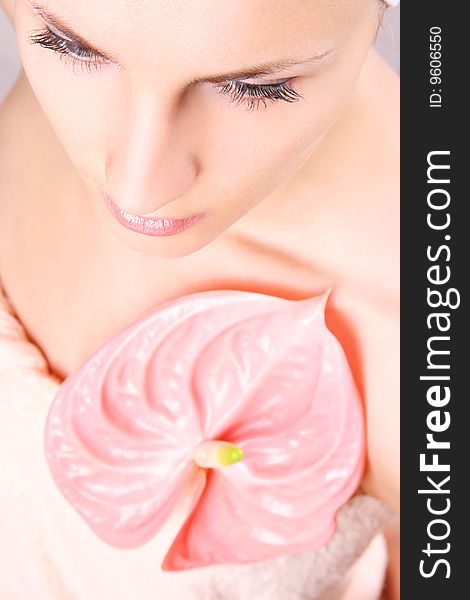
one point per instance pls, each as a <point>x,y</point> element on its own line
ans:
<point>62,94</point>
<point>259,151</point>
<point>264,149</point>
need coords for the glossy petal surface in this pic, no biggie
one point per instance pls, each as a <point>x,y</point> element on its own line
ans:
<point>257,371</point>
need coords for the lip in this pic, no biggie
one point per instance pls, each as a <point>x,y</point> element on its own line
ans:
<point>148,226</point>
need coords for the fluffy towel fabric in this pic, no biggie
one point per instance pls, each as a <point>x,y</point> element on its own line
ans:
<point>47,552</point>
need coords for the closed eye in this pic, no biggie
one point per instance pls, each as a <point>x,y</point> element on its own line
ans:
<point>239,92</point>
<point>255,94</point>
<point>69,50</point>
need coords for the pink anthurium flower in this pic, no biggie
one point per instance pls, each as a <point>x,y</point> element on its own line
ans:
<point>246,397</point>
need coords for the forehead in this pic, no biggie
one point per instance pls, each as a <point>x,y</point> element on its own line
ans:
<point>180,33</point>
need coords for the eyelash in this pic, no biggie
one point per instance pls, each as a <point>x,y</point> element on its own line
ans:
<point>254,95</point>
<point>248,93</point>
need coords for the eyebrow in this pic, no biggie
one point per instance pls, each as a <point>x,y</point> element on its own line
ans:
<point>267,68</point>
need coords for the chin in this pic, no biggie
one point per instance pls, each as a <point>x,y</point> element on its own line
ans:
<point>171,246</point>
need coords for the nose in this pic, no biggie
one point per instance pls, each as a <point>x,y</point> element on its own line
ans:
<point>150,162</point>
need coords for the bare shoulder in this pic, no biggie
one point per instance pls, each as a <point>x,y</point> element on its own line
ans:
<point>8,8</point>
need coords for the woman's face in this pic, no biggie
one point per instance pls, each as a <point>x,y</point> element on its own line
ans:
<point>153,112</point>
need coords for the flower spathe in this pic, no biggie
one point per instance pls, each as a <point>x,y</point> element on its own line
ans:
<point>246,398</point>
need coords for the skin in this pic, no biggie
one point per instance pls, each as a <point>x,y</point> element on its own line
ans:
<point>277,166</point>
<point>223,167</point>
